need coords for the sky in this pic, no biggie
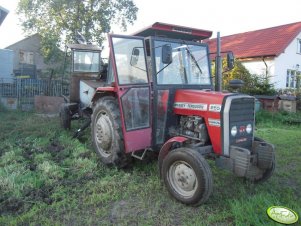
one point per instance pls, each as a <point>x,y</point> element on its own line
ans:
<point>226,16</point>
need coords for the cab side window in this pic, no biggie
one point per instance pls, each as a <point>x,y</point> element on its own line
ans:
<point>130,60</point>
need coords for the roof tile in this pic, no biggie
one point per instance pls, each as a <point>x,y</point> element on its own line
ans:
<point>266,42</point>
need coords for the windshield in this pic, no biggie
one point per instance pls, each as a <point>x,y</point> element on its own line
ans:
<point>85,61</point>
<point>189,64</point>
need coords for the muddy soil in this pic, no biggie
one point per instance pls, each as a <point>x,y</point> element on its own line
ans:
<point>11,205</point>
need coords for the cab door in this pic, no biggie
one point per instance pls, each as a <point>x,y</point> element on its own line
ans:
<point>133,89</point>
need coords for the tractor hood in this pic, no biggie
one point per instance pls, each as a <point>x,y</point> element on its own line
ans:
<point>206,104</point>
<point>198,102</point>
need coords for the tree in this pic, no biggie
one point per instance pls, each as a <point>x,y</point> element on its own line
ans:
<point>238,72</point>
<point>57,21</point>
<point>253,84</point>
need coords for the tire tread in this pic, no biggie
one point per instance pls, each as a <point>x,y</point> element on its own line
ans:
<point>118,158</point>
<point>204,167</point>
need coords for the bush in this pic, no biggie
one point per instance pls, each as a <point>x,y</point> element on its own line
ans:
<point>260,86</point>
<point>253,84</point>
<point>282,117</point>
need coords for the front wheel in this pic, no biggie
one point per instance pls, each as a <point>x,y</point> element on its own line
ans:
<point>187,176</point>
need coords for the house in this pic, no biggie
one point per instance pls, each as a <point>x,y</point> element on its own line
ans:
<point>273,52</point>
<point>28,61</point>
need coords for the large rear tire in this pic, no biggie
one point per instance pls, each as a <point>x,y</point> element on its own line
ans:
<point>106,133</point>
<point>187,176</point>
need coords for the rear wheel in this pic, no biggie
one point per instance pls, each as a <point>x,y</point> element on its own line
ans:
<point>106,133</point>
<point>187,176</point>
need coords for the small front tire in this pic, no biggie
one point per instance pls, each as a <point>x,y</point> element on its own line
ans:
<point>187,176</point>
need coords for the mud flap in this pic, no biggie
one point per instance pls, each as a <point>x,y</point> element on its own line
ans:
<point>166,148</point>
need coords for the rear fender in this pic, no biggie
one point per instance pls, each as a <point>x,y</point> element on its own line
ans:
<point>103,91</point>
<point>166,148</point>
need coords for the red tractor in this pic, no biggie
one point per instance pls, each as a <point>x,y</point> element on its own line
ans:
<point>156,94</point>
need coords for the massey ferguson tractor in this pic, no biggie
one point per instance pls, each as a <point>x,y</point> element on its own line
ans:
<point>156,94</point>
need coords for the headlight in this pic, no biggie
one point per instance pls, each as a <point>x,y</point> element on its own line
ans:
<point>249,128</point>
<point>234,131</point>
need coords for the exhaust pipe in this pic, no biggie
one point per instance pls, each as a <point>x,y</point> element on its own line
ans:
<point>218,64</point>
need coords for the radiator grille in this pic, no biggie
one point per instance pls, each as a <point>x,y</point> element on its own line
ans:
<point>240,115</point>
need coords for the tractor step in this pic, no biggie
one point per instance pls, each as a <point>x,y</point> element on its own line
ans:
<point>140,156</point>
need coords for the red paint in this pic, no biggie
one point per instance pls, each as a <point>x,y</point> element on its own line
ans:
<point>206,98</point>
<point>168,143</point>
<point>100,91</point>
<point>106,89</point>
<point>175,28</point>
<point>179,31</point>
<point>137,139</point>
<point>165,99</point>
<point>166,147</point>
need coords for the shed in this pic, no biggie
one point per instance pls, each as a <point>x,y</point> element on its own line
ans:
<point>269,103</point>
<point>287,103</point>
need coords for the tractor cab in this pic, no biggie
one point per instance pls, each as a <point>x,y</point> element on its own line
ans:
<point>157,96</point>
<point>86,65</point>
<point>149,68</point>
<point>87,72</point>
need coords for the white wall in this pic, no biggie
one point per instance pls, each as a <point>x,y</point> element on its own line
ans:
<point>278,66</point>
<point>287,60</point>
<point>258,67</point>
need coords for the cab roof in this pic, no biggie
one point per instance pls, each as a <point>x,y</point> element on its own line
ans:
<point>174,32</point>
<point>84,47</point>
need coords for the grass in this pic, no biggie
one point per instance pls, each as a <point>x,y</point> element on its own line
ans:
<point>47,178</point>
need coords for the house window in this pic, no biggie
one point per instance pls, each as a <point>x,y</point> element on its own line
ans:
<point>292,81</point>
<point>299,46</point>
<point>291,78</point>
<point>26,57</point>
<point>287,78</point>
